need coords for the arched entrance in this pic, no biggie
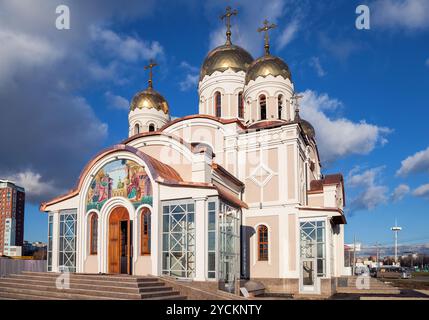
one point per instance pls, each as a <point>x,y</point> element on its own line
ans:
<point>120,239</point>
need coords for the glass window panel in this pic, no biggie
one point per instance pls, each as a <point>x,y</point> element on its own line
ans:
<point>212,261</point>
<point>212,206</point>
<point>212,243</point>
<point>320,253</point>
<point>320,267</point>
<point>179,240</point>
<point>165,242</point>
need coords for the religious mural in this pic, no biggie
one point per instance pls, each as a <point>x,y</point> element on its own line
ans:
<point>119,178</point>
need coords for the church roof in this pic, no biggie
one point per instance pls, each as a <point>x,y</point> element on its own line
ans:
<point>195,147</point>
<point>204,116</point>
<point>159,171</point>
<point>316,186</point>
<point>224,57</point>
<point>267,65</point>
<point>149,99</point>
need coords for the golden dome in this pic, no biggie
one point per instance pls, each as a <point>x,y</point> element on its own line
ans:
<point>268,65</point>
<point>222,58</point>
<point>149,98</point>
<point>308,128</point>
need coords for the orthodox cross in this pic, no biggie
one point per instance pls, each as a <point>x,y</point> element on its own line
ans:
<point>227,16</point>
<point>265,29</point>
<point>296,98</point>
<point>150,66</point>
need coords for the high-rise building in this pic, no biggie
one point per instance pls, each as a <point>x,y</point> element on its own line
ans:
<point>12,200</point>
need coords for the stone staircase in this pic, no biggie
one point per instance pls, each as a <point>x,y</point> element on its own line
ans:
<point>367,285</point>
<point>43,286</point>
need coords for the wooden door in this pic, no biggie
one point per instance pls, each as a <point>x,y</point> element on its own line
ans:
<point>118,215</point>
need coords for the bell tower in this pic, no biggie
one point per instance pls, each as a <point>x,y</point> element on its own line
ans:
<point>222,77</point>
<point>149,110</point>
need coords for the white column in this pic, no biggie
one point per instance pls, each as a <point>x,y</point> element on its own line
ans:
<point>156,232</point>
<point>200,239</point>
<point>55,241</point>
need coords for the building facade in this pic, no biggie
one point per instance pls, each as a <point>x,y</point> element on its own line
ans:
<point>233,193</point>
<point>12,202</point>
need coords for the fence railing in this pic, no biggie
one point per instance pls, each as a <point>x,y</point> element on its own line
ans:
<point>15,266</point>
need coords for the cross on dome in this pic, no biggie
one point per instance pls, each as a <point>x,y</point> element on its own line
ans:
<point>227,16</point>
<point>150,66</point>
<point>265,29</point>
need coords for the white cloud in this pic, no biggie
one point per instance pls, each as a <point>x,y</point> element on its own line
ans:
<point>126,47</point>
<point>191,76</point>
<point>288,34</point>
<point>185,65</point>
<point>339,137</point>
<point>370,192</point>
<point>20,50</point>
<point>422,191</point>
<point>315,63</point>
<point>427,62</point>
<point>116,101</point>
<point>400,192</point>
<point>401,14</point>
<point>417,163</point>
<point>33,184</point>
<point>43,75</point>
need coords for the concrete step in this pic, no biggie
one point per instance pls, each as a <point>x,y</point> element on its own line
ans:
<point>23,283</point>
<point>34,285</point>
<point>90,281</point>
<point>369,291</point>
<point>93,292</point>
<point>121,278</point>
<point>85,283</point>
<point>23,296</point>
<point>52,295</point>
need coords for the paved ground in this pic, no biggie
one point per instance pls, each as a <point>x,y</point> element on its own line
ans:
<point>406,294</point>
<point>417,283</point>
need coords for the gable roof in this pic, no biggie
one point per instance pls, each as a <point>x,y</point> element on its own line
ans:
<point>159,171</point>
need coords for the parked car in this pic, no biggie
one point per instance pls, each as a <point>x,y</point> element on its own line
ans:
<point>393,272</point>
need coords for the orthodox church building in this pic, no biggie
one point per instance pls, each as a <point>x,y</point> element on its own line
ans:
<point>234,193</point>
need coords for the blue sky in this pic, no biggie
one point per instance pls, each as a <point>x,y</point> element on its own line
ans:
<point>366,91</point>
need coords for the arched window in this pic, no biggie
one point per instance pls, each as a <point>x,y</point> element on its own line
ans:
<point>136,129</point>
<point>145,232</point>
<point>218,104</point>
<point>240,105</point>
<point>93,222</point>
<point>151,127</point>
<point>280,106</point>
<point>263,106</point>
<point>262,243</point>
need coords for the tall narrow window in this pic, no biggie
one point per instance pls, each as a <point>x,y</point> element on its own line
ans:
<point>280,106</point>
<point>240,105</point>
<point>262,243</point>
<point>211,236</point>
<point>263,106</point>
<point>67,241</point>
<point>145,232</point>
<point>93,233</point>
<point>218,104</point>
<point>136,129</point>
<point>151,127</point>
